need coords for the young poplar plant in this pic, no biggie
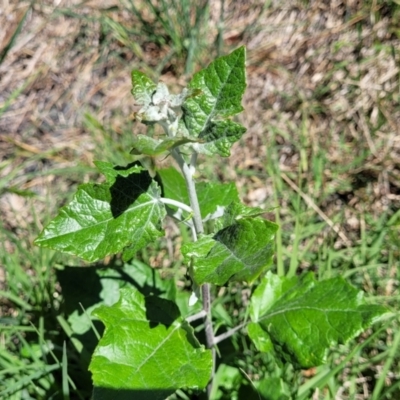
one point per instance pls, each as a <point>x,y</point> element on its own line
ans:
<point>149,349</point>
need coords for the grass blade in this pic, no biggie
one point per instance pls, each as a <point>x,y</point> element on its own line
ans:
<point>14,35</point>
<point>64,369</point>
<point>376,394</point>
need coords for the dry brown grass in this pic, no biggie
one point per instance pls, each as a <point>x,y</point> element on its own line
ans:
<point>333,70</point>
<point>330,67</point>
<point>324,75</point>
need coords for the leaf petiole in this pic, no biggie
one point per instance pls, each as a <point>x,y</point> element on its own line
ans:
<point>178,204</point>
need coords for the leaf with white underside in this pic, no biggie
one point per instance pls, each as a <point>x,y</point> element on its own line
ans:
<point>240,251</point>
<point>104,219</point>
<point>221,86</point>
<point>147,350</point>
<point>301,318</point>
<point>142,88</point>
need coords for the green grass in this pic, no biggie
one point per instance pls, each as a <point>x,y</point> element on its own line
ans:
<point>40,354</point>
<point>27,301</point>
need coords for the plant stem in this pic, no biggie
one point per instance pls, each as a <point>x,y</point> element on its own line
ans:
<point>188,170</point>
<point>228,333</point>
<point>206,297</point>
<point>195,317</point>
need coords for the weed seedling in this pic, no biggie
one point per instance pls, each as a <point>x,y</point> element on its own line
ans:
<point>149,348</point>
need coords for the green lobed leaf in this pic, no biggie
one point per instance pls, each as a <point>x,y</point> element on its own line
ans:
<point>111,172</point>
<point>303,318</point>
<point>174,185</point>
<point>261,341</point>
<point>219,137</point>
<point>210,195</point>
<point>90,288</point>
<point>273,388</point>
<point>235,211</point>
<point>147,348</point>
<point>221,86</point>
<point>227,379</point>
<point>213,195</point>
<point>142,87</point>
<point>238,252</point>
<point>104,219</point>
<point>85,289</point>
<point>146,145</point>
<point>238,210</point>
<point>143,144</point>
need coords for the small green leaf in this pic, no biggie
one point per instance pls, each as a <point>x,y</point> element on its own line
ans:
<point>143,144</point>
<point>219,137</point>
<point>174,185</point>
<point>273,388</point>
<point>226,380</point>
<point>111,172</point>
<point>303,318</point>
<point>146,145</point>
<point>108,218</point>
<point>236,211</point>
<point>210,195</point>
<point>142,88</point>
<point>214,195</point>
<point>147,347</point>
<point>257,335</point>
<point>239,252</point>
<point>221,86</point>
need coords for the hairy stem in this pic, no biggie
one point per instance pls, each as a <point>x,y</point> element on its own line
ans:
<point>195,317</point>
<point>228,333</point>
<point>188,170</point>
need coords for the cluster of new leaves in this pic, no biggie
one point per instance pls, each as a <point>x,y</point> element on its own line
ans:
<point>148,349</point>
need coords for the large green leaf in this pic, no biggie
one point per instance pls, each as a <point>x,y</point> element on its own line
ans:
<point>85,289</point>
<point>89,288</point>
<point>147,349</point>
<point>302,318</point>
<point>108,218</point>
<point>238,252</point>
<point>221,86</point>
